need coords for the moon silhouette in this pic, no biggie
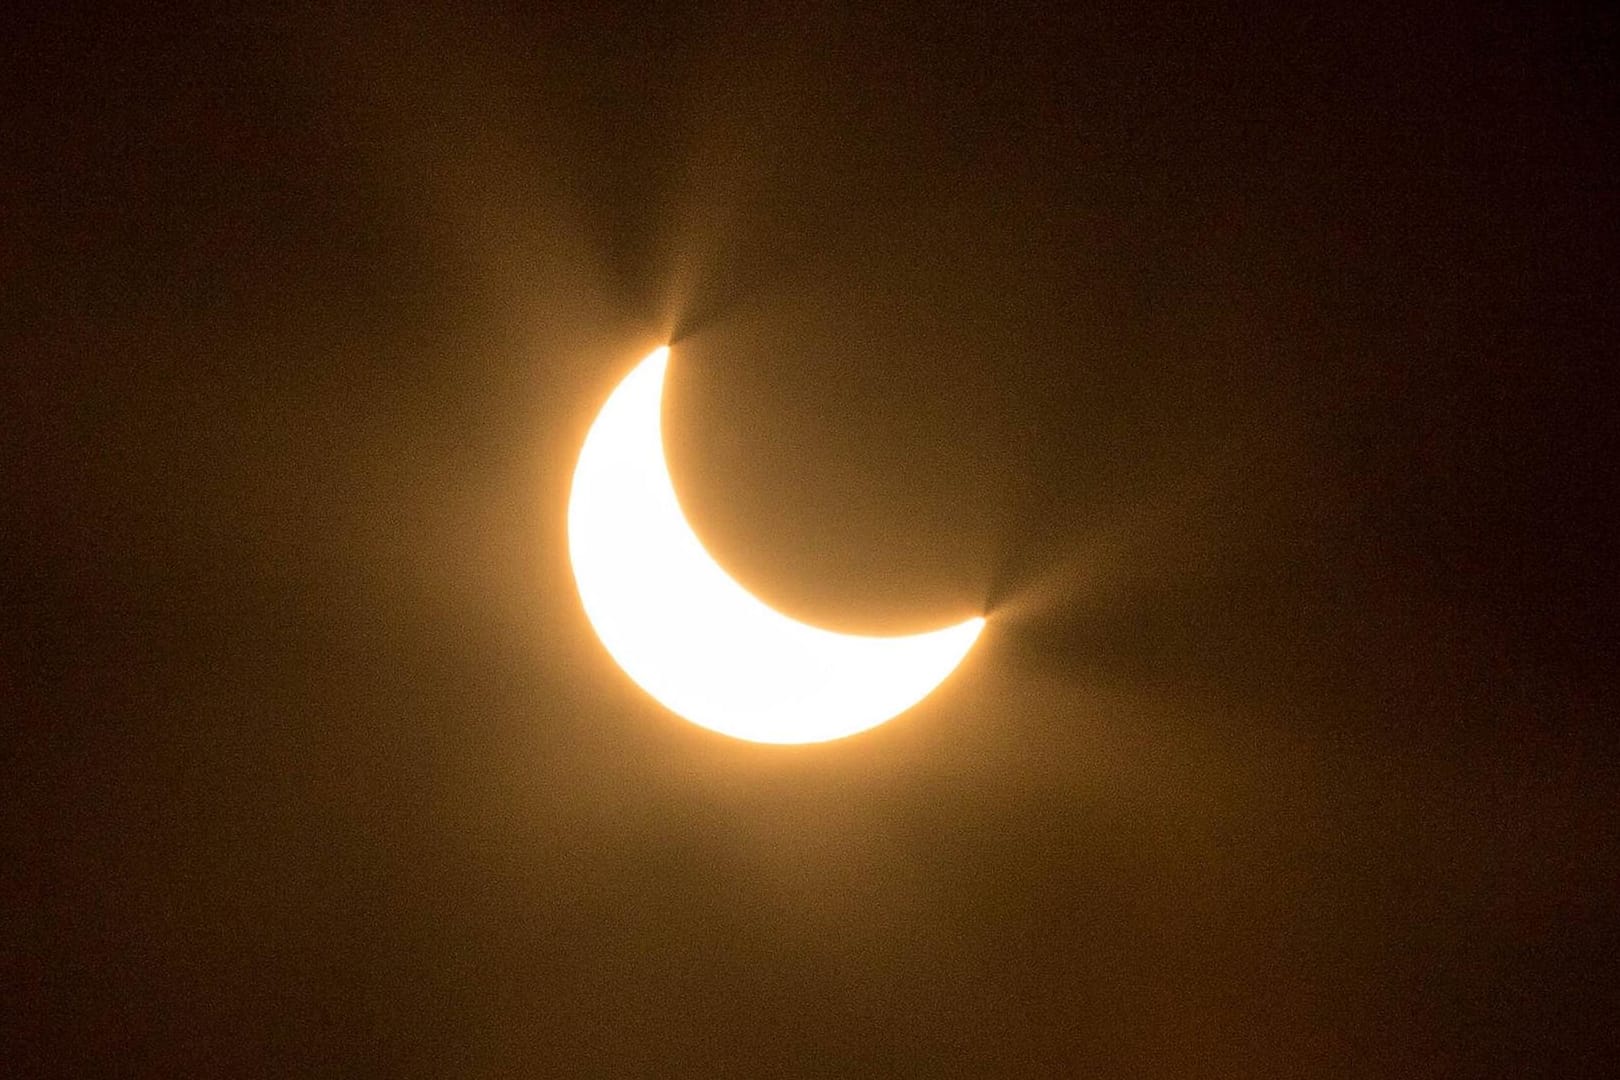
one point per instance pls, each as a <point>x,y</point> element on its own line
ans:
<point>690,635</point>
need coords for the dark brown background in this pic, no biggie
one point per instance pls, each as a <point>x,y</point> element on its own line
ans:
<point>1245,366</point>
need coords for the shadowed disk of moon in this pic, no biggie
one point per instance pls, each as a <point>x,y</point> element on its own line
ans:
<point>692,637</point>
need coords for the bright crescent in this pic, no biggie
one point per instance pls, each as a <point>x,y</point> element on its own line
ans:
<point>692,637</point>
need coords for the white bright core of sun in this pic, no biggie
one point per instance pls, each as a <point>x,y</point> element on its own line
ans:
<point>693,638</point>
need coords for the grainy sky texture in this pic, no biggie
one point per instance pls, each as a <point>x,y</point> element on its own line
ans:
<point>1243,365</point>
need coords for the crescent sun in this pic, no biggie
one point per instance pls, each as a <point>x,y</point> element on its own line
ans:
<point>690,635</point>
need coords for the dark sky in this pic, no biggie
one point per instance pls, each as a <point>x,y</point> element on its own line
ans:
<point>1244,366</point>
